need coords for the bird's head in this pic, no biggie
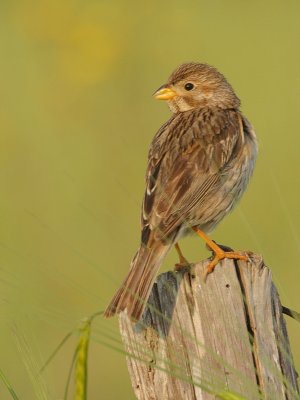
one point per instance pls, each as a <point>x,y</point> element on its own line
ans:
<point>195,85</point>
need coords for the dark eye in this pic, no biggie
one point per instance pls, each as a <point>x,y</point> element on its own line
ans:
<point>189,86</point>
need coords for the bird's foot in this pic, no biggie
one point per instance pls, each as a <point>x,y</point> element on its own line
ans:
<point>183,262</point>
<point>182,265</point>
<point>185,268</point>
<point>220,254</point>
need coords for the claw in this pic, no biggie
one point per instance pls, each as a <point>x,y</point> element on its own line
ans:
<point>182,266</point>
<point>220,255</point>
<point>220,252</point>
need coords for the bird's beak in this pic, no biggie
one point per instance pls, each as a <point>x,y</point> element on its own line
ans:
<point>164,93</point>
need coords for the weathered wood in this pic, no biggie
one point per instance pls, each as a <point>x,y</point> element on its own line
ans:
<point>201,340</point>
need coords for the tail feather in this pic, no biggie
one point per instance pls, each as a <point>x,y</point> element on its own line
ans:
<point>135,290</point>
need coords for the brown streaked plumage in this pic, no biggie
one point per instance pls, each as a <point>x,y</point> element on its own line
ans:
<point>199,164</point>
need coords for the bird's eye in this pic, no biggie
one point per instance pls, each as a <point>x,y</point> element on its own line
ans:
<point>189,86</point>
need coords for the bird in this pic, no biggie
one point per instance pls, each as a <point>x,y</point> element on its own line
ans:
<point>199,164</point>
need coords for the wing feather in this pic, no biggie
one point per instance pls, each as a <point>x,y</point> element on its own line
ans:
<point>187,160</point>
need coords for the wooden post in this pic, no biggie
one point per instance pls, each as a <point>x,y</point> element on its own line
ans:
<point>212,340</point>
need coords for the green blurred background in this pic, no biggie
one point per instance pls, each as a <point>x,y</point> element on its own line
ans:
<point>77,118</point>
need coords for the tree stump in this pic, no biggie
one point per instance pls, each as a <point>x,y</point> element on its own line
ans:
<point>223,338</point>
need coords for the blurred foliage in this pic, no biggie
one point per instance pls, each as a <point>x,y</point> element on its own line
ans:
<point>77,118</point>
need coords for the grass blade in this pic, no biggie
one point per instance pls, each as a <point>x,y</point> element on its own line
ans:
<point>81,361</point>
<point>68,335</point>
<point>229,396</point>
<point>8,386</point>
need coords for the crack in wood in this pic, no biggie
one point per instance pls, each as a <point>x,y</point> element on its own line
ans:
<point>250,323</point>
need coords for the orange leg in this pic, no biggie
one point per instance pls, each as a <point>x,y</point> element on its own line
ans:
<point>183,262</point>
<point>219,253</point>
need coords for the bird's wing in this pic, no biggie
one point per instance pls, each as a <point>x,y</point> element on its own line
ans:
<point>186,161</point>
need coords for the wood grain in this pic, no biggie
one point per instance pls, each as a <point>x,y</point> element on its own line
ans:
<point>201,340</point>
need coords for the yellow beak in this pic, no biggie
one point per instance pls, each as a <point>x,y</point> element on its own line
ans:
<point>164,93</point>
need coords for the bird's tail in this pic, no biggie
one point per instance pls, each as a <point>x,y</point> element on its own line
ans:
<point>135,290</point>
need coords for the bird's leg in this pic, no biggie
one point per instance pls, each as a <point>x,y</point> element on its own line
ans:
<point>222,247</point>
<point>183,262</point>
<point>220,254</point>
